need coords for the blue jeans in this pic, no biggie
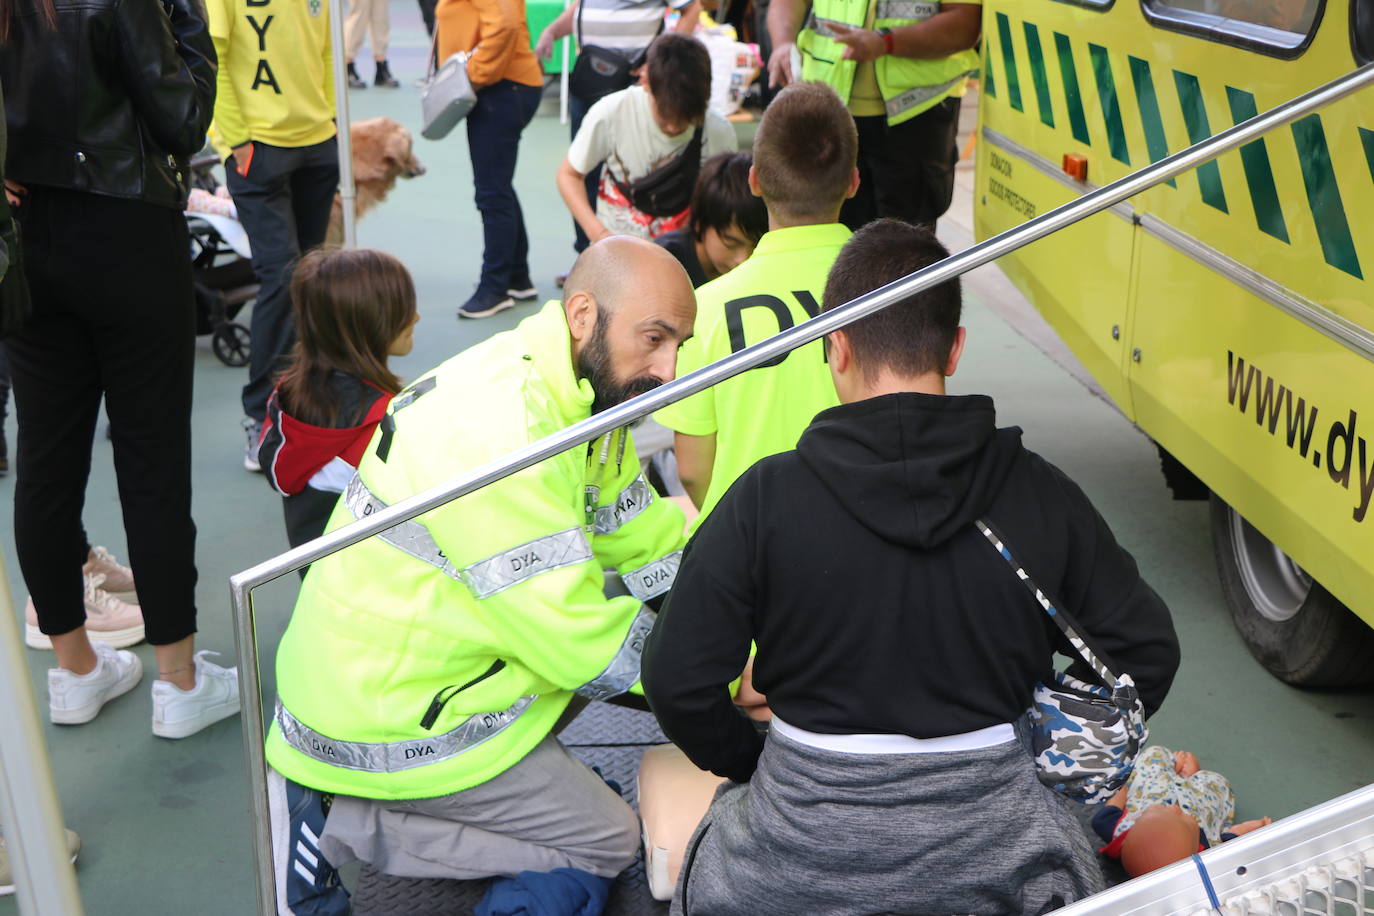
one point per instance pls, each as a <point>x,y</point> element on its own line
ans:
<point>494,127</point>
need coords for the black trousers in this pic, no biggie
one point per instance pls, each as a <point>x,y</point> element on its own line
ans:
<point>284,204</point>
<point>906,171</point>
<point>113,316</point>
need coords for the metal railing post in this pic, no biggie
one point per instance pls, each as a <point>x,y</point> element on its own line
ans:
<point>242,584</point>
<point>30,817</point>
<point>348,192</point>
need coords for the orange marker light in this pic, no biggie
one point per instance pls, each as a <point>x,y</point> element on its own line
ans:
<point>1076,166</point>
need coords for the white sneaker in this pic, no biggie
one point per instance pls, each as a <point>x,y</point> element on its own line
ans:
<point>109,621</point>
<point>252,431</point>
<point>180,713</point>
<point>7,871</point>
<point>77,698</point>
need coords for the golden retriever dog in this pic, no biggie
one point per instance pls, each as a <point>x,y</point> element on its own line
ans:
<point>381,154</point>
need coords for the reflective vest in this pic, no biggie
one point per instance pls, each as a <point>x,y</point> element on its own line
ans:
<point>436,655</point>
<point>908,86</point>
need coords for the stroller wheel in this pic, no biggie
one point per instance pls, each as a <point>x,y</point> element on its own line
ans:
<point>230,341</point>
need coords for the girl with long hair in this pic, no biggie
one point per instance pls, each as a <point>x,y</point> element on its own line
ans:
<point>353,309</point>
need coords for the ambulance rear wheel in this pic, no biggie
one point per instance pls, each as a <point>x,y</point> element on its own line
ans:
<point>1294,627</point>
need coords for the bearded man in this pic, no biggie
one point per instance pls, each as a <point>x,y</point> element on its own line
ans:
<point>425,671</point>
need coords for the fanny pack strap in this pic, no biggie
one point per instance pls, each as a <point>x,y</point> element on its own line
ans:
<point>1061,617</point>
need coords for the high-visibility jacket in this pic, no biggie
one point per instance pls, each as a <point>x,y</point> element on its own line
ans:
<point>908,86</point>
<point>436,655</point>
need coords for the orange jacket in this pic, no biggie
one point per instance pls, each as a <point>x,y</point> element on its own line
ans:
<point>498,32</point>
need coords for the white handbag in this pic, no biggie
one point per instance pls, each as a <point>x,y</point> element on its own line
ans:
<point>448,95</point>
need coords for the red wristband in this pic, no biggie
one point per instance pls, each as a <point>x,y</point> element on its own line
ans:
<point>887,41</point>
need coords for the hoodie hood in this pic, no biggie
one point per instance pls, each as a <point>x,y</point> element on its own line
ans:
<point>913,468</point>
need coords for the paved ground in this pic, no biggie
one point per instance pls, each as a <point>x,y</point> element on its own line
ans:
<point>166,823</point>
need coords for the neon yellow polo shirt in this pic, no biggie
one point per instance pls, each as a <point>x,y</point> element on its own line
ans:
<point>763,411</point>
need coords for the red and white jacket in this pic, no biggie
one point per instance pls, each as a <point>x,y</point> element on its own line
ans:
<point>295,454</point>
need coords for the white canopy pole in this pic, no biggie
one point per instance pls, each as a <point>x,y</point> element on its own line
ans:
<point>347,191</point>
<point>563,77</point>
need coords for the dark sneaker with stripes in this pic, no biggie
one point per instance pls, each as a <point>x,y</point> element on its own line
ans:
<point>307,885</point>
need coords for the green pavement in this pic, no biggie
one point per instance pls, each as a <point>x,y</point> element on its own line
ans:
<point>166,823</point>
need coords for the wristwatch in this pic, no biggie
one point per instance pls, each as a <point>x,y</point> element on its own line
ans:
<point>886,34</point>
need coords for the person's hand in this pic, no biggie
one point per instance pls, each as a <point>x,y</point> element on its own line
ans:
<point>753,703</point>
<point>599,234</point>
<point>243,154</point>
<point>1186,763</point>
<point>15,193</point>
<point>780,66</point>
<point>1247,826</point>
<point>543,49</point>
<point>861,45</point>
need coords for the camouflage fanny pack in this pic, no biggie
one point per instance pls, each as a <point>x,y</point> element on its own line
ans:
<point>1085,736</point>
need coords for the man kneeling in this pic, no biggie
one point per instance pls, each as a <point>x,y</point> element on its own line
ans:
<point>895,647</point>
<point>426,670</point>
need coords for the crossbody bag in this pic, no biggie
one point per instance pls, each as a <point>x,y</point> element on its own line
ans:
<point>447,96</point>
<point>667,190</point>
<point>1085,737</point>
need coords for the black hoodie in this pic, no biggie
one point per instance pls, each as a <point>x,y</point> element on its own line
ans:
<point>876,605</point>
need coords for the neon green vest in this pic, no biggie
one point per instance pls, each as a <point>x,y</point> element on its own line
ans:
<point>436,655</point>
<point>908,86</point>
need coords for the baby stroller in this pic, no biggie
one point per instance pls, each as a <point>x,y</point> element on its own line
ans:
<point>221,268</point>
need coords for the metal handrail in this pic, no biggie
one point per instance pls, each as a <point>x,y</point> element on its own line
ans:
<point>242,584</point>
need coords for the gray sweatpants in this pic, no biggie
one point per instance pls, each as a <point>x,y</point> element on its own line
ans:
<point>548,811</point>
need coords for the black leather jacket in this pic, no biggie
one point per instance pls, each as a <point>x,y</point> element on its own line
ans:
<point>113,101</point>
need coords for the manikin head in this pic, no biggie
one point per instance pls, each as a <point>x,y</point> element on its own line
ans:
<point>1160,836</point>
<point>911,345</point>
<point>629,306</point>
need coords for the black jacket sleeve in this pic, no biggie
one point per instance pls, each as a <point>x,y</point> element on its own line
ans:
<point>700,644</point>
<point>168,62</point>
<point>1125,619</point>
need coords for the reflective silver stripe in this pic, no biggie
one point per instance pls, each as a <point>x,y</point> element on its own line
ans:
<point>653,579</point>
<point>553,551</point>
<point>410,537</point>
<point>917,95</point>
<point>905,9</point>
<point>394,756</point>
<point>620,675</point>
<point>632,500</point>
<point>485,577</point>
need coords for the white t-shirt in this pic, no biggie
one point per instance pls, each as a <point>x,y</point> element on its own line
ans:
<point>620,131</point>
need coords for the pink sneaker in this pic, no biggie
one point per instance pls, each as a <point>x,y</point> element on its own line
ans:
<point>109,621</point>
<point>119,580</point>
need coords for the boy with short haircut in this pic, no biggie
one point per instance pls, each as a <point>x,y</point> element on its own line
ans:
<point>637,130</point>
<point>804,169</point>
<point>726,220</point>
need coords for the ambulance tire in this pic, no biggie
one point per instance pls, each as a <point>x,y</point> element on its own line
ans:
<point>1294,627</point>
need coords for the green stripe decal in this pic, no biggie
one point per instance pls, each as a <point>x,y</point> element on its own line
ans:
<point>1199,129</point>
<point>1155,142</point>
<point>1111,106</point>
<point>989,84</point>
<point>1037,63</point>
<point>1078,122</point>
<point>1009,62</point>
<point>1324,195</point>
<point>1367,138</point>
<point>1259,175</point>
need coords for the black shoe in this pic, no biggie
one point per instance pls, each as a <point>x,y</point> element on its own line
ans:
<point>4,454</point>
<point>522,289</point>
<point>354,80</point>
<point>485,304</point>
<point>383,77</point>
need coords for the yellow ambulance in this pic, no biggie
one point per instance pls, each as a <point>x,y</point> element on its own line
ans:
<point>1230,312</point>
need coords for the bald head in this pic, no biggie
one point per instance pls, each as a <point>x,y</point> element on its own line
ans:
<point>620,267</point>
<point>629,306</point>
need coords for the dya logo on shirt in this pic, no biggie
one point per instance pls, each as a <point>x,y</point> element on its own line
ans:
<point>263,76</point>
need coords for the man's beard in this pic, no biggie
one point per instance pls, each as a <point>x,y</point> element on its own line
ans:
<point>594,364</point>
